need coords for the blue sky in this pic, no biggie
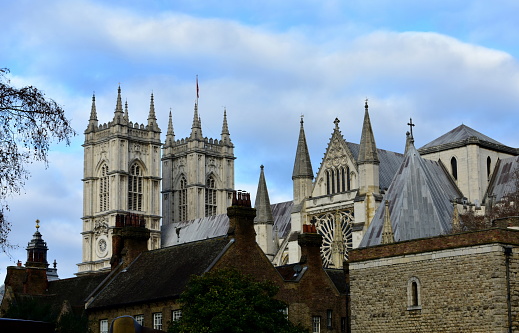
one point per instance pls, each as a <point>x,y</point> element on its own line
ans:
<point>443,63</point>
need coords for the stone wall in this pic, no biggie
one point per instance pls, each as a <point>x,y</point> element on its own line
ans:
<point>460,288</point>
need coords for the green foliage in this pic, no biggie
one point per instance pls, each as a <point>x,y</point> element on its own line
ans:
<point>72,323</point>
<point>30,308</point>
<point>29,123</point>
<point>228,301</point>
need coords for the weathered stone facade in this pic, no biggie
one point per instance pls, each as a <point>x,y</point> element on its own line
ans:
<point>461,284</point>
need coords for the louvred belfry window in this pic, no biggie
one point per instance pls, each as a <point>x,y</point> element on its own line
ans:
<point>104,189</point>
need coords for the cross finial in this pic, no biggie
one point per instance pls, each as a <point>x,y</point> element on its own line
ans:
<point>411,125</point>
<point>336,122</point>
<point>366,103</point>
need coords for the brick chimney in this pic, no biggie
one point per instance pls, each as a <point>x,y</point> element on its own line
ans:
<point>310,242</point>
<point>129,239</point>
<point>241,218</point>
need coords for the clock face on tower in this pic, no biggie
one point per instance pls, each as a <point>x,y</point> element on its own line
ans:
<point>102,247</point>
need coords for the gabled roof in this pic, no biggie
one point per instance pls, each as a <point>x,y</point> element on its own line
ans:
<point>390,161</point>
<point>160,274</point>
<point>503,180</point>
<point>419,201</point>
<point>462,136</point>
<point>218,225</point>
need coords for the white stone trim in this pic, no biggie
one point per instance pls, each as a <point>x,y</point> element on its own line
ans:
<point>431,255</point>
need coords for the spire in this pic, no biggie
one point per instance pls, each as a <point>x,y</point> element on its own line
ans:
<point>92,122</point>
<point>196,129</point>
<point>118,114</point>
<point>302,164</point>
<point>126,117</point>
<point>152,119</point>
<point>170,135</point>
<point>455,217</point>
<point>387,230</point>
<point>37,250</point>
<point>225,129</point>
<point>262,204</point>
<point>93,111</point>
<point>368,148</point>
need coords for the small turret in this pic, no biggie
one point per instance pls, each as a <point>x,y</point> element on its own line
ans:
<point>302,175</point>
<point>118,114</point>
<point>196,128</point>
<point>226,138</point>
<point>368,162</point>
<point>152,119</point>
<point>170,134</point>
<point>92,122</point>
<point>388,236</point>
<point>264,222</point>
<point>37,250</point>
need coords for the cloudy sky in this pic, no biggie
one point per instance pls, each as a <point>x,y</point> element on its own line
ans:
<point>443,63</point>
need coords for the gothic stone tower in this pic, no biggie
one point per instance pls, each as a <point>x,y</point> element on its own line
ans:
<point>197,173</point>
<point>121,176</point>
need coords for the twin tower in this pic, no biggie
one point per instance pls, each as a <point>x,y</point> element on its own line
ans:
<point>122,176</point>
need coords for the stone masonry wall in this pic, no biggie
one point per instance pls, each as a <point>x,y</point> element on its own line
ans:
<point>460,290</point>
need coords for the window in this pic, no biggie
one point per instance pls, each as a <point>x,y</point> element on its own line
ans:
<point>285,312</point>
<point>139,319</point>
<point>183,200</point>
<point>328,191</point>
<point>316,324</point>
<point>343,324</point>
<point>489,164</point>
<point>210,197</point>
<point>176,315</point>
<point>454,167</point>
<point>157,321</point>
<point>103,326</point>
<point>135,188</point>
<point>329,315</point>
<point>104,189</point>
<point>414,301</point>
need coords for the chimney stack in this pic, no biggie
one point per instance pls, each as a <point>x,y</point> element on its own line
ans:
<point>241,218</point>
<point>310,242</point>
<point>129,239</point>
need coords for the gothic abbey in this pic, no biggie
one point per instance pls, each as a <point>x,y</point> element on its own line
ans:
<point>360,196</point>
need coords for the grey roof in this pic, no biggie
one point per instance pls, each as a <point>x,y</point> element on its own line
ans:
<point>504,179</point>
<point>160,274</point>
<point>215,226</point>
<point>390,161</point>
<point>462,136</point>
<point>419,201</point>
<point>302,163</point>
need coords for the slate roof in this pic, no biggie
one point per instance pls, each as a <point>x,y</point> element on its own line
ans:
<point>462,136</point>
<point>160,274</point>
<point>419,201</point>
<point>218,225</point>
<point>503,179</point>
<point>389,163</point>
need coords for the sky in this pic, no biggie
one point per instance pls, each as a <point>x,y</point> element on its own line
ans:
<point>441,63</point>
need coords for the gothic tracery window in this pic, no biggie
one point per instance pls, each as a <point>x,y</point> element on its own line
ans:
<point>336,229</point>
<point>104,189</point>
<point>182,207</point>
<point>210,197</point>
<point>135,187</point>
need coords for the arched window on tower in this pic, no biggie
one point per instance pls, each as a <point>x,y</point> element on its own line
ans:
<point>454,167</point>
<point>104,189</point>
<point>210,197</point>
<point>182,200</point>
<point>489,164</point>
<point>135,188</point>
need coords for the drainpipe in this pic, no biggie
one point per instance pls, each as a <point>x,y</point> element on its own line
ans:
<point>508,253</point>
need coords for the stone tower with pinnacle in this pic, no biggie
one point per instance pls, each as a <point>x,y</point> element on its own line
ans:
<point>121,177</point>
<point>197,173</point>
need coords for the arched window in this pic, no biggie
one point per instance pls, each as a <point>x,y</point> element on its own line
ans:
<point>104,189</point>
<point>135,188</point>
<point>348,179</point>
<point>338,172</point>
<point>489,164</point>
<point>183,200</point>
<point>454,167</point>
<point>332,176</point>
<point>328,182</point>
<point>343,180</point>
<point>414,301</point>
<point>210,197</point>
